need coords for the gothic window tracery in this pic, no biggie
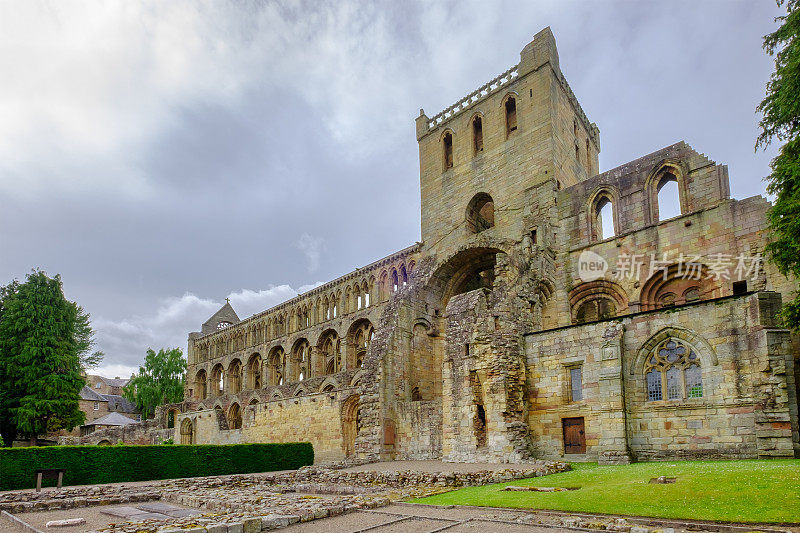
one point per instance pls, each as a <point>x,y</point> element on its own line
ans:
<point>673,372</point>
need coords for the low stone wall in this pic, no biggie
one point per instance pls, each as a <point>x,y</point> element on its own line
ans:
<point>71,497</point>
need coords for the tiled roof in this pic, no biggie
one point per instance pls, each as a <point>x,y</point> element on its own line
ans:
<point>115,382</point>
<point>90,395</point>
<point>119,403</point>
<point>112,419</point>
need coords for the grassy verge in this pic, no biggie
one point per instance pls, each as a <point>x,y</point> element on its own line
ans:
<point>746,491</point>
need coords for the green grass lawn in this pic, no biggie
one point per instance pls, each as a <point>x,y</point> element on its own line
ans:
<point>747,491</point>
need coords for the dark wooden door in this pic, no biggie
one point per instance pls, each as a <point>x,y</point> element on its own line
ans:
<point>574,435</point>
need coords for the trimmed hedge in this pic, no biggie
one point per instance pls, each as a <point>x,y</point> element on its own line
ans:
<point>88,465</point>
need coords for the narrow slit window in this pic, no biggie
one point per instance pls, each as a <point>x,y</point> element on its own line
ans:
<point>477,135</point>
<point>447,143</point>
<point>511,116</point>
<point>576,384</point>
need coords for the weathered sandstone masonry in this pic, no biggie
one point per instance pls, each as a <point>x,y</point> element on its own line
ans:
<point>549,310</point>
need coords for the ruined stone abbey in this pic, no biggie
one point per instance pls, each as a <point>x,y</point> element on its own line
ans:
<point>549,311</point>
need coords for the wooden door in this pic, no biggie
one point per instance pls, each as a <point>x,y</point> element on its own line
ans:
<point>574,435</point>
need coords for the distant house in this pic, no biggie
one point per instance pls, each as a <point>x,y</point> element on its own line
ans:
<point>107,421</point>
<point>104,385</point>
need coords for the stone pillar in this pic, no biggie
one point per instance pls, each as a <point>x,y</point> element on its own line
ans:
<point>775,387</point>
<point>613,444</point>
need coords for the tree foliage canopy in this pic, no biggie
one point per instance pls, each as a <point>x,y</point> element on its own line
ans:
<point>159,381</point>
<point>780,121</point>
<point>44,342</point>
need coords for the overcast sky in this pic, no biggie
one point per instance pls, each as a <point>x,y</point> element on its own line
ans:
<point>162,156</point>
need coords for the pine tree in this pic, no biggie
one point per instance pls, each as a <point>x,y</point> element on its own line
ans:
<point>159,381</point>
<point>781,120</point>
<point>43,340</point>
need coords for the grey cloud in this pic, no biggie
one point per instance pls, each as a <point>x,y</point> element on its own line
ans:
<point>179,148</point>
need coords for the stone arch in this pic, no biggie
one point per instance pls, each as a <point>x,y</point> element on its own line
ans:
<point>675,284</point>
<point>329,385</point>
<point>464,271</point>
<point>601,197</point>
<point>301,360</point>
<point>276,395</point>
<point>605,297</point>
<point>235,376</point>
<point>104,442</point>
<point>234,416</point>
<point>300,390</point>
<point>187,431</point>
<point>276,366</point>
<point>359,338</point>
<point>350,424</point>
<point>480,213</point>
<point>330,352</point>
<point>255,372</point>
<point>704,350</point>
<point>201,384</point>
<point>383,286</point>
<point>356,380</point>
<point>662,173</point>
<point>218,380</point>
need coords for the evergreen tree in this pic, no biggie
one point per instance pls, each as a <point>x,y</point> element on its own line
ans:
<point>159,381</point>
<point>781,120</point>
<point>43,340</point>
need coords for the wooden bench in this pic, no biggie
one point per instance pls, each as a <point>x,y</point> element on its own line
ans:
<point>49,473</point>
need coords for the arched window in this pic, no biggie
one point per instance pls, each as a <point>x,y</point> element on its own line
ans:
<point>511,116</point>
<point>395,281</point>
<point>669,199</point>
<point>200,385</point>
<point>480,213</point>
<point>672,372</point>
<point>603,224</point>
<point>447,147</point>
<point>595,309</point>
<point>218,380</point>
<point>276,366</point>
<point>254,368</point>
<point>235,376</point>
<point>477,135</point>
<point>302,356</point>
<point>329,347</point>
<point>235,417</point>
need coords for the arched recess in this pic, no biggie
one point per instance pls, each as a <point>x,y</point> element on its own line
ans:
<point>603,208</point>
<point>425,371</point>
<point>597,300</point>
<point>301,360</point>
<point>200,384</point>
<point>510,113</point>
<point>350,423</point>
<point>705,351</point>
<point>477,133</point>
<point>329,385</point>
<point>235,416</point>
<point>235,376</point>
<point>480,213</point>
<point>106,442</point>
<point>678,284</point>
<point>356,380</point>
<point>255,372</point>
<point>465,271</point>
<point>187,431</point>
<point>329,349</point>
<point>276,366</point>
<point>218,380</point>
<point>359,337</point>
<point>663,173</point>
<point>447,149</point>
